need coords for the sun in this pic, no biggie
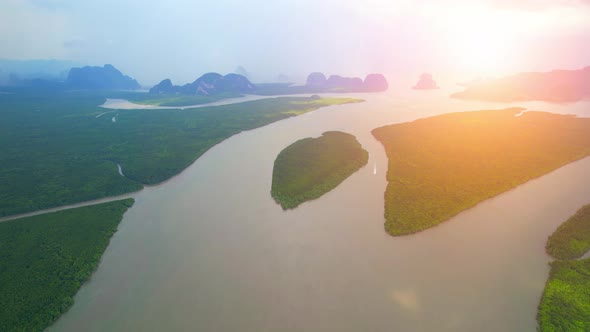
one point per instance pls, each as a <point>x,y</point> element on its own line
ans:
<point>481,42</point>
<point>482,51</point>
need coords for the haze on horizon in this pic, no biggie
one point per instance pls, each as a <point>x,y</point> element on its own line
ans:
<point>181,39</point>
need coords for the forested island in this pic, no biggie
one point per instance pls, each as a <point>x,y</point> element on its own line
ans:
<point>442,165</point>
<point>311,167</point>
<point>565,304</point>
<point>69,147</point>
<point>46,258</point>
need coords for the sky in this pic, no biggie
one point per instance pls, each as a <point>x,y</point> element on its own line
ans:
<point>182,39</point>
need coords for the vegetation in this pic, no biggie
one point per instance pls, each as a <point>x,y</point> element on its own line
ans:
<point>45,259</point>
<point>571,240</point>
<point>311,167</point>
<point>565,304</point>
<point>445,164</point>
<point>67,151</point>
<point>177,99</point>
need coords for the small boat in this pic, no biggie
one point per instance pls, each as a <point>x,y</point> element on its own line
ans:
<point>375,169</point>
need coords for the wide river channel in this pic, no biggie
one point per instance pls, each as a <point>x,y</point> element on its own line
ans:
<point>209,250</point>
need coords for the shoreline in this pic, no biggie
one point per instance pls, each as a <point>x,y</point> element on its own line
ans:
<point>145,186</point>
<point>124,104</point>
<point>72,206</point>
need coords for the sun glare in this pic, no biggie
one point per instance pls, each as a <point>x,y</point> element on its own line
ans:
<point>480,50</point>
<point>479,43</point>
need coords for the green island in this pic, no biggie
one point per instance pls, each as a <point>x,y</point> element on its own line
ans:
<point>571,240</point>
<point>565,304</point>
<point>45,259</point>
<point>443,165</point>
<point>311,167</point>
<point>69,147</point>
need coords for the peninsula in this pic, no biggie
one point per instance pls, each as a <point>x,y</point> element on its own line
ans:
<point>442,165</point>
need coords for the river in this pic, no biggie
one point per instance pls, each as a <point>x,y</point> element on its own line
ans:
<point>209,250</point>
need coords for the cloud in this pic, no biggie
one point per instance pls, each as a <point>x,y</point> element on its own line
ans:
<point>536,5</point>
<point>29,32</point>
<point>75,43</point>
<point>349,37</point>
<point>50,4</point>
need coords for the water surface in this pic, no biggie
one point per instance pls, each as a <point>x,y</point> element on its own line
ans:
<point>209,250</point>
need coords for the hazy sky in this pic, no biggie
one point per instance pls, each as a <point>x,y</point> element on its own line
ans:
<point>181,39</point>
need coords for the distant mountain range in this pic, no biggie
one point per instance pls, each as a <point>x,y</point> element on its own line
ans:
<point>553,86</point>
<point>318,83</point>
<point>208,84</point>
<point>214,83</point>
<point>106,77</point>
<point>336,83</point>
<point>15,72</point>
